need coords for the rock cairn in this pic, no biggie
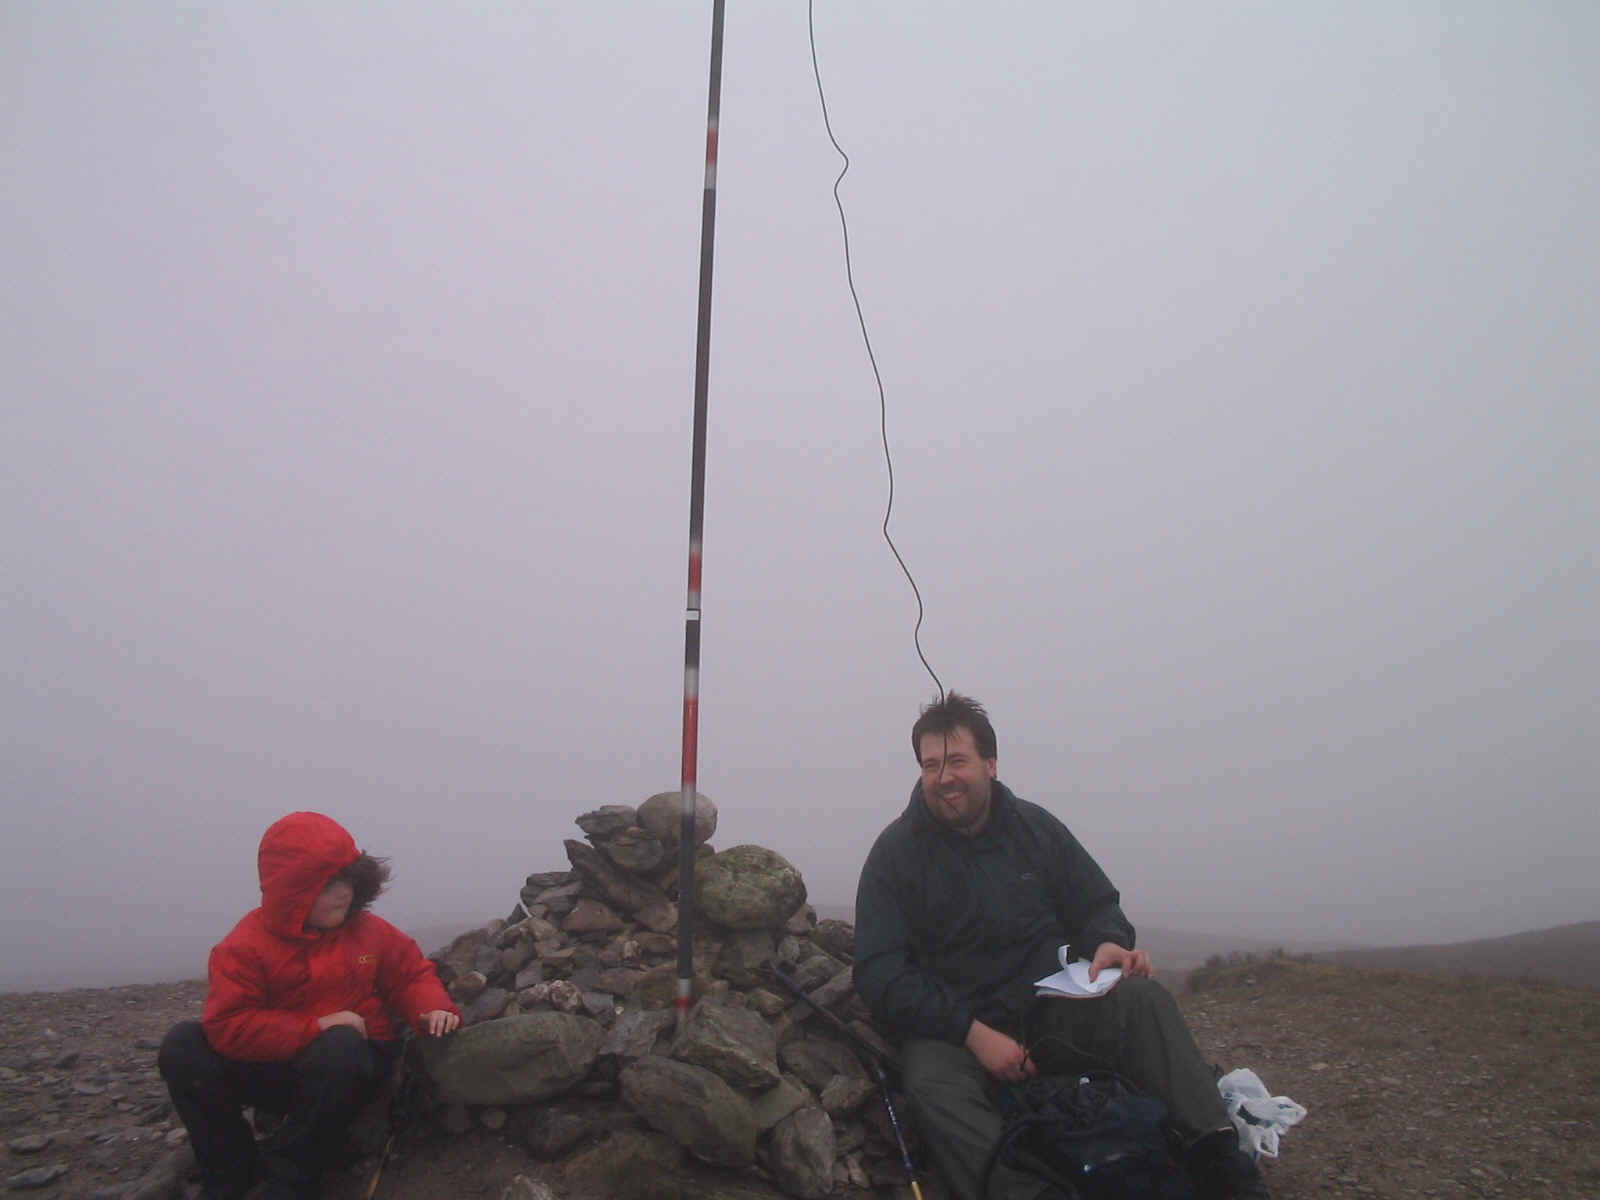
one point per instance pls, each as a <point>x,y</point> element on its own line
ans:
<point>570,1043</point>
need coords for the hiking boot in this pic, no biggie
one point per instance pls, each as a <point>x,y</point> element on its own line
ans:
<point>1222,1171</point>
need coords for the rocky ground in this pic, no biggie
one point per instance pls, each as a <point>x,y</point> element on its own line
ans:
<point>1415,1085</point>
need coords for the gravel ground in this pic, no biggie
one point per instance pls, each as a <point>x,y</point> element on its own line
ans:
<point>1416,1085</point>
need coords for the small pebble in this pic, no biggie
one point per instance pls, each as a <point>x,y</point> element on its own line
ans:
<point>38,1177</point>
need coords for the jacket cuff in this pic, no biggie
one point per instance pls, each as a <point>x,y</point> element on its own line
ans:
<point>955,1031</point>
<point>1098,937</point>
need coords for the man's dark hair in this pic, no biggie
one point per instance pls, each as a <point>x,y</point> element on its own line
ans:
<point>954,712</point>
<point>367,875</point>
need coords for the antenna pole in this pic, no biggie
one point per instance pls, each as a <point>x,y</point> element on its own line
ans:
<point>697,503</point>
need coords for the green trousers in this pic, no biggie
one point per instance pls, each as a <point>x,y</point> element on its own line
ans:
<point>1135,1029</point>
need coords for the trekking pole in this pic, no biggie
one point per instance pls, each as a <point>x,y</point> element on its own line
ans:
<point>874,1062</point>
<point>697,506</point>
<point>395,1113</point>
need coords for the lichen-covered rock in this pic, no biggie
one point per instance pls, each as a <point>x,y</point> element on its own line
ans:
<point>658,987</point>
<point>826,995</point>
<point>468,986</point>
<point>514,1060</point>
<point>734,1042</point>
<point>748,887</point>
<point>845,1094</point>
<point>803,1153</point>
<point>746,957</point>
<point>590,917</point>
<point>627,892</point>
<point>461,955</point>
<point>485,1006</point>
<point>551,1129</point>
<point>802,921</point>
<point>814,970</point>
<point>694,1107</point>
<point>635,1032</point>
<point>776,1103</point>
<point>634,849</point>
<point>838,938</point>
<point>607,821</point>
<point>818,1060</point>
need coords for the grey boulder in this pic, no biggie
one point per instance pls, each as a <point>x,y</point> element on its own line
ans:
<point>734,1042</point>
<point>693,1107</point>
<point>514,1060</point>
<point>662,815</point>
<point>803,1153</point>
<point>748,887</point>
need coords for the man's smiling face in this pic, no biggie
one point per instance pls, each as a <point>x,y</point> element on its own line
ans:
<point>956,781</point>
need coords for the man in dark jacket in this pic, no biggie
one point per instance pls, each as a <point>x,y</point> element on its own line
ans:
<point>964,901</point>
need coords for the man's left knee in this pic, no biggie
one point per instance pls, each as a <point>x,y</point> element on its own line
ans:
<point>339,1052</point>
<point>1145,999</point>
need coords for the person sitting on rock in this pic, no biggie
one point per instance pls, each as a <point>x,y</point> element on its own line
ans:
<point>300,1015</point>
<point>963,902</point>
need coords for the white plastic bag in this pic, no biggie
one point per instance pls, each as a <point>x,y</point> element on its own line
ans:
<point>1258,1116</point>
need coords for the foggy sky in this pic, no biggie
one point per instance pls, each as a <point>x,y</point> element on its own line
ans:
<point>1241,380</point>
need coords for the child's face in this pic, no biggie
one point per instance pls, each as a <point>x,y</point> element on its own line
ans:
<point>332,906</point>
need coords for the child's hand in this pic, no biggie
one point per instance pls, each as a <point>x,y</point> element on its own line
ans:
<point>344,1017</point>
<point>440,1022</point>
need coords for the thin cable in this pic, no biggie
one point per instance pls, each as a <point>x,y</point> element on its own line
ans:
<point>883,404</point>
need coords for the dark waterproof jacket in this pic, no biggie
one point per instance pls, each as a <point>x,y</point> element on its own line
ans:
<point>950,928</point>
<point>272,978</point>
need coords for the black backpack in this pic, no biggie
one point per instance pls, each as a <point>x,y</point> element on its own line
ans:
<point>1092,1135</point>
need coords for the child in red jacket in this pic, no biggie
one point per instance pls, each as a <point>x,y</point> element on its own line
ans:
<point>300,1014</point>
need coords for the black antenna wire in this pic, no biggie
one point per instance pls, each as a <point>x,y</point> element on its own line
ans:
<point>883,404</point>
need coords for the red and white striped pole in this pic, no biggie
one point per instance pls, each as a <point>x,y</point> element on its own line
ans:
<point>697,504</point>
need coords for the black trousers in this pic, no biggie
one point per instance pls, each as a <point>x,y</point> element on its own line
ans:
<point>318,1093</point>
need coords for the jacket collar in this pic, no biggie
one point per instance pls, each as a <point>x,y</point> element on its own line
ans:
<point>1001,804</point>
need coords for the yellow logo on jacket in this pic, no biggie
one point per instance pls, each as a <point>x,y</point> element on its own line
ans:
<point>367,958</point>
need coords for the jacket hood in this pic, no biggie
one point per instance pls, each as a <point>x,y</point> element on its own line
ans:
<point>298,855</point>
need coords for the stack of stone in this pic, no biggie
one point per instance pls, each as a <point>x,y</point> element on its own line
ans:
<point>570,1041</point>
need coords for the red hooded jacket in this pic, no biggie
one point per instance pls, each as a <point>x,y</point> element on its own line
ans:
<point>271,978</point>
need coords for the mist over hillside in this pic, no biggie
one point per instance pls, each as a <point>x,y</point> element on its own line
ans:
<point>1567,954</point>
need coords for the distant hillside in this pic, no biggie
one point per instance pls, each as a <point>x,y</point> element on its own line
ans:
<point>1184,949</point>
<point>1566,954</point>
<point>1172,949</point>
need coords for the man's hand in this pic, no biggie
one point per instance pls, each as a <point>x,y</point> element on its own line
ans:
<point>1132,962</point>
<point>1001,1056</point>
<point>440,1022</point>
<point>344,1017</point>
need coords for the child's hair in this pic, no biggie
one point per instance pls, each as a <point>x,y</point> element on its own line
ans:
<point>367,875</point>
